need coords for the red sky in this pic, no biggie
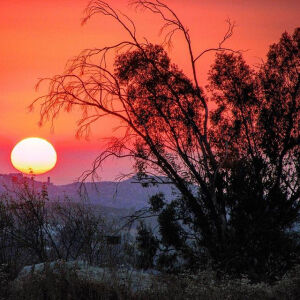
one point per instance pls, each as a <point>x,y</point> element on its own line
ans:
<point>38,37</point>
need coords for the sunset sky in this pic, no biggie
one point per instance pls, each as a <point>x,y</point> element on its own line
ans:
<point>38,37</point>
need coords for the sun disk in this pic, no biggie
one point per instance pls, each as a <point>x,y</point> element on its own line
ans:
<point>33,156</point>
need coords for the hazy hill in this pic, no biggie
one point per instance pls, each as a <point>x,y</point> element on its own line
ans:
<point>127,194</point>
<point>124,194</point>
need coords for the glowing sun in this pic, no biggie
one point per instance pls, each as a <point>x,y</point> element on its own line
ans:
<point>33,156</point>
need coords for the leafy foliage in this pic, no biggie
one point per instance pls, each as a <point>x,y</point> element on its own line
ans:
<point>147,246</point>
<point>241,152</point>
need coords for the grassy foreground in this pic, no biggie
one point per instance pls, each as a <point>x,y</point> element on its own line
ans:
<point>61,282</point>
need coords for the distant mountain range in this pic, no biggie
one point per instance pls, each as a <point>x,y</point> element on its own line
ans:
<point>127,194</point>
<point>124,194</point>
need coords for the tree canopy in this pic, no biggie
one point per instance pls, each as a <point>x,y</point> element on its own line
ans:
<point>232,150</point>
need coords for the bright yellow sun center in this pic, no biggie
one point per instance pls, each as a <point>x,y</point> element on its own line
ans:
<point>33,156</point>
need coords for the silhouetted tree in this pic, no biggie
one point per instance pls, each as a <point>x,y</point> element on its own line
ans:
<point>234,162</point>
<point>147,245</point>
<point>34,229</point>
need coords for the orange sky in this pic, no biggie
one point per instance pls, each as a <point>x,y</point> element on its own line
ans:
<point>37,38</point>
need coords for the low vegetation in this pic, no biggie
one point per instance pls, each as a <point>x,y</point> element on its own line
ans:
<point>61,282</point>
<point>65,236</point>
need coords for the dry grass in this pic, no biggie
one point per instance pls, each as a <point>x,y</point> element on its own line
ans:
<point>61,282</point>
